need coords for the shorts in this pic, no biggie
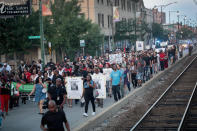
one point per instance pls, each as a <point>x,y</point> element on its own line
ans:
<point>139,76</point>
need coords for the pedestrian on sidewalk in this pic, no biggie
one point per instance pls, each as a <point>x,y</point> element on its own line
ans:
<point>88,88</point>
<point>54,119</point>
<point>115,80</point>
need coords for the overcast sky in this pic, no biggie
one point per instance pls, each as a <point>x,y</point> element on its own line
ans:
<point>185,7</point>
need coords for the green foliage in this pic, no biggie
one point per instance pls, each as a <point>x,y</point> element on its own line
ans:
<point>93,39</point>
<point>125,30</point>
<point>69,26</point>
<point>185,33</point>
<point>15,31</point>
<point>159,33</point>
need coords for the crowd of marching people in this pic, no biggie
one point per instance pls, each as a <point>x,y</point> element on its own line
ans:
<point>49,81</point>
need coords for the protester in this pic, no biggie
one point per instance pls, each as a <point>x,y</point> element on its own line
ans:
<point>4,94</point>
<point>40,93</point>
<point>54,119</point>
<point>88,88</point>
<point>162,59</point>
<point>115,80</point>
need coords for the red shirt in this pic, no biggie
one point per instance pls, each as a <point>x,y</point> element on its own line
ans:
<point>68,70</point>
<point>162,56</point>
<point>28,76</point>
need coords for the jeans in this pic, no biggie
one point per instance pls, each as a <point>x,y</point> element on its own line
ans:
<point>146,73</point>
<point>116,91</point>
<point>134,80</point>
<point>122,89</point>
<point>162,65</point>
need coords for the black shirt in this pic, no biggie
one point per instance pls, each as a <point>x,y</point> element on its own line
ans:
<point>57,93</point>
<point>54,120</point>
<point>147,60</point>
<point>5,89</point>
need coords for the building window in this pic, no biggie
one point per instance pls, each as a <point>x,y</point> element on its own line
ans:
<point>117,3</point>
<point>108,2</point>
<point>99,19</point>
<point>129,5</point>
<point>123,4</point>
<point>109,18</point>
<point>124,19</point>
<point>102,2</point>
<point>103,20</point>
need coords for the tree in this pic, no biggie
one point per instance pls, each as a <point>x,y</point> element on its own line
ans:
<point>15,32</point>
<point>93,39</point>
<point>68,28</point>
<point>159,33</point>
<point>185,33</point>
<point>157,30</point>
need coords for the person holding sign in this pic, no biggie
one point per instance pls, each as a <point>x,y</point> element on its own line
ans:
<point>88,88</point>
<point>116,79</point>
<point>40,93</point>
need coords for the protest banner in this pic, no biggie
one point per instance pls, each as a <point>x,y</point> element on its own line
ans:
<point>139,45</point>
<point>22,87</point>
<point>115,58</point>
<point>74,87</point>
<point>100,81</point>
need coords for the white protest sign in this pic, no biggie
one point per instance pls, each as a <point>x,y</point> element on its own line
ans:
<point>74,87</point>
<point>107,72</point>
<point>139,45</point>
<point>115,58</point>
<point>100,81</point>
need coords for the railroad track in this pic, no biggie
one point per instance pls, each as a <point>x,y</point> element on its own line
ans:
<point>189,120</point>
<point>169,111</point>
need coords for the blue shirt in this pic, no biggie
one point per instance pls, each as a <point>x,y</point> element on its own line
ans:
<point>115,76</point>
<point>86,84</point>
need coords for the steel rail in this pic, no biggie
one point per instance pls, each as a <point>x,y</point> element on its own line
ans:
<point>148,111</point>
<point>187,108</point>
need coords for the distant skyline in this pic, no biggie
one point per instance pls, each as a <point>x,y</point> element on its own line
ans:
<point>185,7</point>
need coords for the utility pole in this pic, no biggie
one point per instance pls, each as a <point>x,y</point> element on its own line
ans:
<point>161,15</point>
<point>112,26</point>
<point>41,34</point>
<point>178,22</point>
<point>135,26</point>
<point>88,7</point>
